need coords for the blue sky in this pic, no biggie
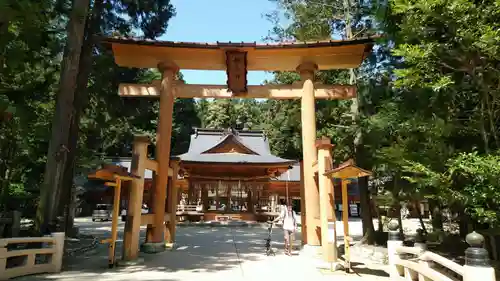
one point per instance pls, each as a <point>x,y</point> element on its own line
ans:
<point>219,20</point>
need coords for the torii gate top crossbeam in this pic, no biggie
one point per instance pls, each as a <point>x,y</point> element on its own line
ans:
<point>334,54</point>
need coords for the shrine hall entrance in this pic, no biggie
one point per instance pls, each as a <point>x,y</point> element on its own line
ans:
<point>232,175</point>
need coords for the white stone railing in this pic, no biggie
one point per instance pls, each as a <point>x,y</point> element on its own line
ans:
<point>417,264</point>
<point>19,262</point>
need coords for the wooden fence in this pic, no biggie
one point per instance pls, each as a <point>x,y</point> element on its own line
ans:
<point>418,264</point>
<point>18,259</point>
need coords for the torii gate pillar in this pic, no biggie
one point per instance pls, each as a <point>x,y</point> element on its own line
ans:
<point>327,199</point>
<point>163,141</point>
<point>136,193</point>
<point>311,193</point>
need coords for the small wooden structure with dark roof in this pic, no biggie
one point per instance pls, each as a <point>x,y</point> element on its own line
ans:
<point>113,176</point>
<point>346,171</point>
<point>111,172</point>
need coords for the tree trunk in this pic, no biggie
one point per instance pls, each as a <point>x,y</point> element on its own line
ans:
<point>58,145</point>
<point>366,214</point>
<point>437,217</point>
<point>380,223</point>
<point>4,188</point>
<point>419,214</point>
<point>482,125</point>
<point>400,220</point>
<point>464,224</point>
<point>7,155</point>
<point>79,104</point>
<point>380,226</point>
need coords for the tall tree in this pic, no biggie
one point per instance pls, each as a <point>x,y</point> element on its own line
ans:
<point>447,77</point>
<point>30,43</point>
<point>58,145</point>
<point>219,114</point>
<point>106,18</point>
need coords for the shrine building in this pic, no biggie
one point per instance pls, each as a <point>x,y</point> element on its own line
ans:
<point>229,174</point>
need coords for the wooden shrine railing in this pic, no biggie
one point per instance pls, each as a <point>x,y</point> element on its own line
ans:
<point>418,264</point>
<point>17,259</point>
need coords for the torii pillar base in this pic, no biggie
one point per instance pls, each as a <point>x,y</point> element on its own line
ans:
<point>153,248</point>
<point>125,263</point>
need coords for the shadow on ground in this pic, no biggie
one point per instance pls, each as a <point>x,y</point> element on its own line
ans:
<point>362,270</point>
<point>201,253</point>
<point>198,250</point>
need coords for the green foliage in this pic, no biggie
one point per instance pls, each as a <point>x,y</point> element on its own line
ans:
<point>31,37</point>
<point>283,127</point>
<point>427,99</point>
<point>320,20</point>
<point>29,46</point>
<point>438,128</point>
<point>220,114</point>
<point>282,121</point>
<point>185,119</point>
<point>230,113</point>
<point>451,48</point>
<point>470,180</point>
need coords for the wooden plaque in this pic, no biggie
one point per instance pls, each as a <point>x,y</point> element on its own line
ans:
<point>236,62</point>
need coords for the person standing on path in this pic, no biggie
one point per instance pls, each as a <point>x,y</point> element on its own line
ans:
<point>287,216</point>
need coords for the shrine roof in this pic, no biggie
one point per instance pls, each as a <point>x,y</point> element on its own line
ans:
<point>330,54</point>
<point>203,140</point>
<point>292,175</point>
<point>108,172</point>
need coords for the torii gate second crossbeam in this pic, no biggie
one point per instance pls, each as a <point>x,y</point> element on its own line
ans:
<point>236,59</point>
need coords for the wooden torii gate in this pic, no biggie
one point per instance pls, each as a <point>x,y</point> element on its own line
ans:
<point>236,59</point>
